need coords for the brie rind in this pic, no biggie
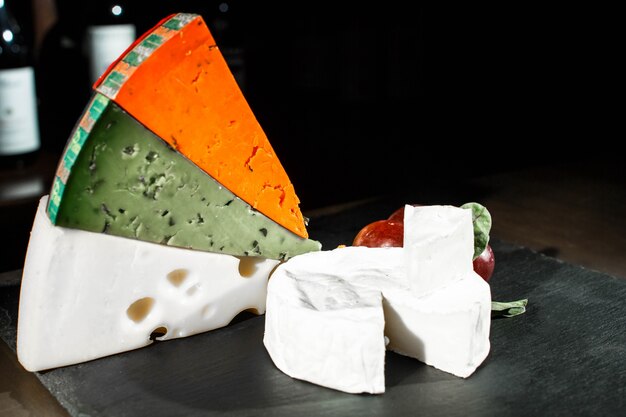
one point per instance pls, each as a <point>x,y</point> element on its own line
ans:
<point>87,295</point>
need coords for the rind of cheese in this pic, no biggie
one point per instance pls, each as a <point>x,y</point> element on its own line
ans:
<point>117,177</point>
<point>175,81</point>
<point>88,295</point>
<point>447,329</point>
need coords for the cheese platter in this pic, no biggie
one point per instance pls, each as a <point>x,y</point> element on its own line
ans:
<point>564,355</point>
<point>170,271</point>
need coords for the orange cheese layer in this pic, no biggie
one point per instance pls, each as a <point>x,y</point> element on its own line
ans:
<point>185,93</point>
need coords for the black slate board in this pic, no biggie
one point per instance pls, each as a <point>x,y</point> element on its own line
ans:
<point>565,356</point>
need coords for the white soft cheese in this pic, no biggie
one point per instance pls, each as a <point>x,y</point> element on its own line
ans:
<point>439,245</point>
<point>325,322</point>
<point>324,330</point>
<point>447,329</point>
<point>325,341</point>
<point>87,295</point>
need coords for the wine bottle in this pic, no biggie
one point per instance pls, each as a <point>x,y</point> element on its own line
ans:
<point>110,32</point>
<point>62,74</point>
<point>19,127</point>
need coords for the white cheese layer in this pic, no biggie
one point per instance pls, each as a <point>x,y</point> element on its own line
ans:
<point>87,295</point>
<point>447,329</point>
<point>439,246</point>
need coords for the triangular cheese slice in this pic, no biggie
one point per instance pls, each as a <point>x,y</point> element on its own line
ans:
<point>175,81</point>
<point>117,177</point>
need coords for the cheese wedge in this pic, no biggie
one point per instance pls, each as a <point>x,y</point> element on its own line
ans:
<point>87,295</point>
<point>117,177</point>
<point>175,81</point>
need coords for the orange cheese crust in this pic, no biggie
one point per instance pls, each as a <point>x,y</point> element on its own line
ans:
<point>183,90</point>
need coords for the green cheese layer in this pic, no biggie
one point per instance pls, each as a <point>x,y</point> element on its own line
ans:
<point>127,182</point>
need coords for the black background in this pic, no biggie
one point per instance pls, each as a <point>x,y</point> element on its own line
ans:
<point>365,98</point>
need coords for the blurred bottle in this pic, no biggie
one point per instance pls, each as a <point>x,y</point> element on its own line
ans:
<point>62,74</point>
<point>110,31</point>
<point>19,127</point>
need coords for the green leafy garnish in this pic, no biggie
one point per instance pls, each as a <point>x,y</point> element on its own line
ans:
<point>481,219</point>
<point>508,309</point>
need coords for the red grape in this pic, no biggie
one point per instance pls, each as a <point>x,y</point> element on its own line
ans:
<point>397,216</point>
<point>380,234</point>
<point>485,263</point>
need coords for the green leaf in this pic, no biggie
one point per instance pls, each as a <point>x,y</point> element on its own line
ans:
<point>509,308</point>
<point>481,218</point>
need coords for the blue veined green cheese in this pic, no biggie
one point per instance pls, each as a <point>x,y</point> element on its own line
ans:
<point>117,177</point>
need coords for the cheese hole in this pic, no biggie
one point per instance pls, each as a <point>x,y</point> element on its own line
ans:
<point>177,277</point>
<point>207,311</point>
<point>192,290</point>
<point>158,333</point>
<point>248,265</point>
<point>140,309</point>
